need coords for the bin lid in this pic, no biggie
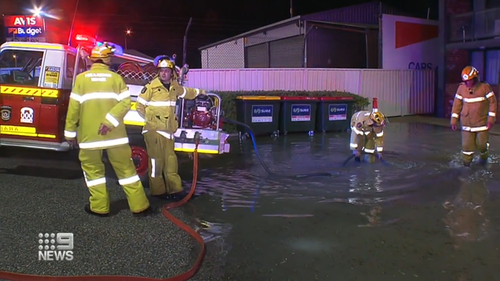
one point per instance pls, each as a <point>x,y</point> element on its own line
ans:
<point>300,98</point>
<point>335,98</point>
<point>258,98</point>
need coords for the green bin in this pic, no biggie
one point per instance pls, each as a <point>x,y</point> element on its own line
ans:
<point>261,113</point>
<point>298,114</point>
<point>334,113</point>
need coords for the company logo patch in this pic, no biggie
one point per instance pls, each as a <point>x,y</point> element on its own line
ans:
<point>6,112</point>
<point>27,115</point>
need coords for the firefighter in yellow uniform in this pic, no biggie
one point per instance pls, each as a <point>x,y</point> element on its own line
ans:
<point>98,103</point>
<point>475,105</point>
<point>367,135</point>
<point>156,104</point>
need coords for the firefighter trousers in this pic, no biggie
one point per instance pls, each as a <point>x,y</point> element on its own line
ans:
<point>472,141</point>
<point>163,166</point>
<point>363,143</point>
<point>94,173</point>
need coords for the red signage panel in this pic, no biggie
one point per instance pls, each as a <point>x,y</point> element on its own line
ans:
<point>23,21</point>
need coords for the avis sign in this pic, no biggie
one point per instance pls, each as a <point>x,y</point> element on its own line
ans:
<point>24,28</point>
<point>55,246</point>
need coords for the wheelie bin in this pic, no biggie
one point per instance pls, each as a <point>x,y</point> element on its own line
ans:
<point>298,114</point>
<point>334,113</point>
<point>261,113</point>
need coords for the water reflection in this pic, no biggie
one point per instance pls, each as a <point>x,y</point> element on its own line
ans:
<point>327,225</point>
<point>466,219</point>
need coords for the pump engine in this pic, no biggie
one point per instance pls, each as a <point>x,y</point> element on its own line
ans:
<point>201,113</point>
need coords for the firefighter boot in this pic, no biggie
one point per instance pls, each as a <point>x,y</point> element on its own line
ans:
<point>370,158</point>
<point>483,146</point>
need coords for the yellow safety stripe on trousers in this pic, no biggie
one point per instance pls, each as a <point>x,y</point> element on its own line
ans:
<point>474,129</point>
<point>492,114</point>
<point>129,180</point>
<point>103,144</point>
<point>23,131</point>
<point>454,115</point>
<point>32,92</point>
<point>467,152</point>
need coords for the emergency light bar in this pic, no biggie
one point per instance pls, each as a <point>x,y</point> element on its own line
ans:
<point>88,40</point>
<point>85,38</point>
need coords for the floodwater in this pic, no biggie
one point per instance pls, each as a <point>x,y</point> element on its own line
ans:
<point>420,216</point>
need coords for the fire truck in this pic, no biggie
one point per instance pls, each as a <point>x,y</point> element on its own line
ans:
<point>36,81</point>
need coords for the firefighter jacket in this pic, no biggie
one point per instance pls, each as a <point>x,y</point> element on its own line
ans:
<point>156,104</point>
<point>99,96</point>
<point>475,107</point>
<point>363,126</point>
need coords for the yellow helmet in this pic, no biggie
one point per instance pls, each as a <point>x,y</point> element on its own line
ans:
<point>165,63</point>
<point>469,73</point>
<point>102,51</point>
<point>378,117</point>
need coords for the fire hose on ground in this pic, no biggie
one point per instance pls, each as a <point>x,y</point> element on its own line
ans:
<point>166,212</point>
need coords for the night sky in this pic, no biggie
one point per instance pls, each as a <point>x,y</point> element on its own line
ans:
<point>158,26</point>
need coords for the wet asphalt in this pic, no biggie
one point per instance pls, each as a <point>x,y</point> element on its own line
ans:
<point>118,245</point>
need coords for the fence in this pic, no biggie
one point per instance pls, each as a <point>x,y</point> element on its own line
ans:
<point>400,92</point>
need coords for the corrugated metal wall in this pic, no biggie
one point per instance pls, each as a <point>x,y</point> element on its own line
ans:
<point>400,92</point>
<point>257,56</point>
<point>367,13</point>
<point>279,32</point>
<point>287,53</point>
<point>338,48</point>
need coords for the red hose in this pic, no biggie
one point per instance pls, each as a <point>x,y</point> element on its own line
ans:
<point>165,211</point>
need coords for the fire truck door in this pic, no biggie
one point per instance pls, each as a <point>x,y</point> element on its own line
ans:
<point>20,95</point>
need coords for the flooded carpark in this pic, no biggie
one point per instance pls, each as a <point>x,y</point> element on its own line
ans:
<point>420,215</point>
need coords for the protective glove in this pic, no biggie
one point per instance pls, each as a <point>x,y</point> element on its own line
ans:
<point>453,127</point>
<point>103,130</point>
<point>489,125</point>
<point>72,143</point>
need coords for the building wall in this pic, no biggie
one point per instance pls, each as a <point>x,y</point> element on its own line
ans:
<point>367,13</point>
<point>400,92</point>
<point>409,43</point>
<point>456,59</point>
<point>289,30</point>
<point>226,55</point>
<point>338,48</point>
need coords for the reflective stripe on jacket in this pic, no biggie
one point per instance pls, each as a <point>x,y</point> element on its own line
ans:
<point>156,104</point>
<point>475,107</point>
<point>99,96</point>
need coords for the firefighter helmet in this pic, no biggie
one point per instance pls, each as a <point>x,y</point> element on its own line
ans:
<point>102,51</point>
<point>469,73</point>
<point>164,62</point>
<point>378,118</point>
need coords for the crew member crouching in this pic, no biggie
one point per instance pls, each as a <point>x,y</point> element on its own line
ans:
<point>367,135</point>
<point>475,105</point>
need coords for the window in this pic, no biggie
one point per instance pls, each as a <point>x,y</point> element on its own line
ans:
<point>477,60</point>
<point>490,4</point>
<point>70,65</point>
<point>20,67</point>
<point>492,65</point>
